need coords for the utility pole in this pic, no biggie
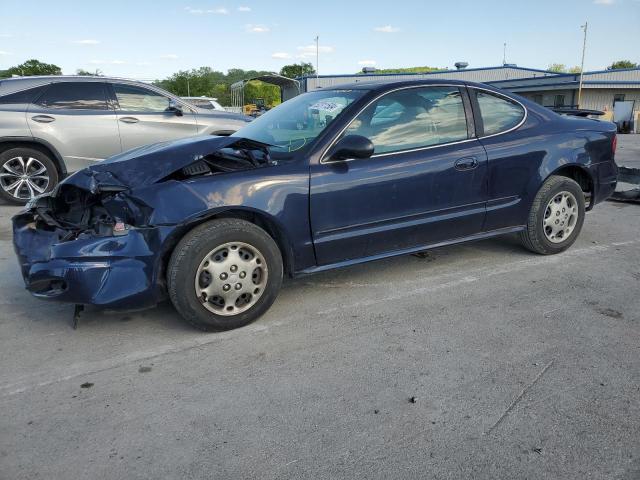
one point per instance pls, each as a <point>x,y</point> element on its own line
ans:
<point>584,48</point>
<point>504,54</point>
<point>317,39</point>
<point>188,89</point>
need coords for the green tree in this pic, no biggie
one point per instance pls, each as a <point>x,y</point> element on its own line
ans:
<point>297,70</point>
<point>557,67</point>
<point>33,67</point>
<point>87,73</point>
<point>256,89</point>
<point>622,64</point>
<point>562,68</point>
<point>205,81</point>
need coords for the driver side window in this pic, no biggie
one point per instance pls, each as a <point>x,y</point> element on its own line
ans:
<point>412,118</point>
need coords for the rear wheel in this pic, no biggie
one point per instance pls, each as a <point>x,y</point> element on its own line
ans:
<point>556,217</point>
<point>25,173</point>
<point>224,274</point>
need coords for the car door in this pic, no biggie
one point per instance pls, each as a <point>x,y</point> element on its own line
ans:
<point>144,116</point>
<point>425,183</point>
<point>77,120</point>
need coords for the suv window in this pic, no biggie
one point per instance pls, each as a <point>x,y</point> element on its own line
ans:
<point>24,96</point>
<point>138,99</point>
<point>202,104</point>
<point>75,96</point>
<point>412,118</point>
<point>498,114</point>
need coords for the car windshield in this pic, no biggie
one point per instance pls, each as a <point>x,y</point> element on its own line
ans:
<point>294,125</point>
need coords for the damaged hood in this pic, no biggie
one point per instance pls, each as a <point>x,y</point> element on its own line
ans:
<point>151,163</point>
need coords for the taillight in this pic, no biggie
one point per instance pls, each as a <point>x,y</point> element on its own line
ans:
<point>614,144</point>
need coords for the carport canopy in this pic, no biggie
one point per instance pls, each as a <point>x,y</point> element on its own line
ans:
<point>237,88</point>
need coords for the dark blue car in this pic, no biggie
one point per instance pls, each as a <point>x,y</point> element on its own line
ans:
<point>328,179</point>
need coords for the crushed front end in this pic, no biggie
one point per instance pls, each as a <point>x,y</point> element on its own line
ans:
<point>103,235</point>
<point>86,247</point>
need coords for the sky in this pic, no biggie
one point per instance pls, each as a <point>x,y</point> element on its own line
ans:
<point>148,40</point>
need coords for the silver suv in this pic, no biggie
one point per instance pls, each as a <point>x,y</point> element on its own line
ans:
<point>51,126</point>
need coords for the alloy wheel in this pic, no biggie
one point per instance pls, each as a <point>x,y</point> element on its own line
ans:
<point>24,179</point>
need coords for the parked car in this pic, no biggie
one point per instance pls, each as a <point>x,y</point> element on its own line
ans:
<point>50,126</point>
<point>207,103</point>
<point>328,179</point>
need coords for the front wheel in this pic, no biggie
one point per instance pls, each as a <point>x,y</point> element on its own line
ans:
<point>556,216</point>
<point>25,173</point>
<point>224,274</point>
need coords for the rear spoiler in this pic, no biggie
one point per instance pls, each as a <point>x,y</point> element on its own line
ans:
<point>577,112</point>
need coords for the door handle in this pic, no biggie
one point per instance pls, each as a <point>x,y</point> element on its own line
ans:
<point>466,163</point>
<point>129,120</point>
<point>43,119</point>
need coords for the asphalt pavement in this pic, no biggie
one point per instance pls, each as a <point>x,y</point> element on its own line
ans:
<point>478,361</point>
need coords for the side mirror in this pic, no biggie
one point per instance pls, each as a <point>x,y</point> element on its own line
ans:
<point>175,108</point>
<point>352,146</point>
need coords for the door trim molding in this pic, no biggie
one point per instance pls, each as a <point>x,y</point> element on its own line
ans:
<point>407,251</point>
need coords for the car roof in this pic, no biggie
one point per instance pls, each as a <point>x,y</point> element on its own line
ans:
<point>16,84</point>
<point>384,85</point>
<point>61,78</point>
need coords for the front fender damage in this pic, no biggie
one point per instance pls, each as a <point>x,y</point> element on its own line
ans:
<point>102,237</point>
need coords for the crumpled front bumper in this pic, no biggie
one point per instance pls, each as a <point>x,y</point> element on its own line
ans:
<point>119,272</point>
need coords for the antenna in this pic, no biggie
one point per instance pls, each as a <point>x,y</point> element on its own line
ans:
<point>504,53</point>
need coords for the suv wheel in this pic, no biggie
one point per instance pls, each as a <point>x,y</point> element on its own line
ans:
<point>224,274</point>
<point>25,173</point>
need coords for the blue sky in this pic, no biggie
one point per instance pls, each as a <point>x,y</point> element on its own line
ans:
<point>152,39</point>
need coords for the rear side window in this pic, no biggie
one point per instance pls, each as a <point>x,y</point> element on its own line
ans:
<point>498,114</point>
<point>138,99</point>
<point>75,96</point>
<point>24,96</point>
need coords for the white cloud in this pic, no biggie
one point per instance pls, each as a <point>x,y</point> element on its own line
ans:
<point>3,52</point>
<point>309,51</point>
<point>200,11</point>
<point>387,29</point>
<point>281,55</point>
<point>257,28</point>
<point>604,2</point>
<point>6,35</point>
<point>367,63</point>
<point>87,41</point>
<point>244,9</point>
<point>169,56</point>
<point>143,64</point>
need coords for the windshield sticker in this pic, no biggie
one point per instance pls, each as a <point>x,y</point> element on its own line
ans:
<point>326,106</point>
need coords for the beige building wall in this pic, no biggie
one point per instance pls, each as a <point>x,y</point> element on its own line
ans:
<point>602,99</point>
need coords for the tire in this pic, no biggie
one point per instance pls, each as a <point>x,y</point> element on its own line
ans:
<point>42,173</point>
<point>566,214</point>
<point>202,265</point>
